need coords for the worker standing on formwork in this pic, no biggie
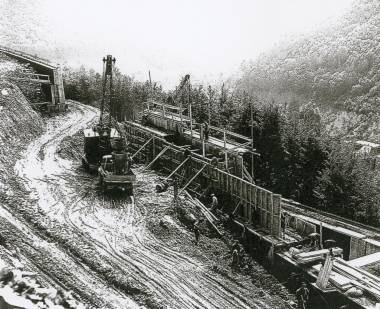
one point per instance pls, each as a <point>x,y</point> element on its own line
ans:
<point>206,131</point>
<point>197,232</point>
<point>235,259</point>
<point>214,202</point>
<point>302,295</point>
<point>175,189</point>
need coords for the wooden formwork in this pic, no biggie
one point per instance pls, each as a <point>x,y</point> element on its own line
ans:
<point>256,203</point>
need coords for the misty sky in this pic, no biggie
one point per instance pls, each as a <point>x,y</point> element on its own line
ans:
<point>205,38</point>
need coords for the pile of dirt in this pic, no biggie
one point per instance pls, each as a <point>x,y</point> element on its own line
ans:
<point>71,147</point>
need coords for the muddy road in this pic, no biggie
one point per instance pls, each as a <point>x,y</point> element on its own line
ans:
<point>118,227</point>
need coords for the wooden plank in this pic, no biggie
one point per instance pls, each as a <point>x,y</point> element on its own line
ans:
<point>269,210</point>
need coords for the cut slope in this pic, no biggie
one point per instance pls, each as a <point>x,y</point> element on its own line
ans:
<point>19,123</point>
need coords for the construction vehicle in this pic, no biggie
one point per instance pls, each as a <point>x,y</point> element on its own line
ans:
<point>115,172</point>
<point>104,147</point>
<point>97,143</point>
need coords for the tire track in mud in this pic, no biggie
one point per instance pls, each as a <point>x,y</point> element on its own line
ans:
<point>156,263</point>
<point>41,160</point>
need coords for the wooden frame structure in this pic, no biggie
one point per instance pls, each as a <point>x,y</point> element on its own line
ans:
<point>257,204</point>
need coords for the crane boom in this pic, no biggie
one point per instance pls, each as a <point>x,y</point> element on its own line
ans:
<point>108,68</point>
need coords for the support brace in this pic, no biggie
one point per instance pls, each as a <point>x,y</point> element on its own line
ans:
<point>156,158</point>
<point>236,208</point>
<point>177,168</point>
<point>191,180</point>
<point>142,147</point>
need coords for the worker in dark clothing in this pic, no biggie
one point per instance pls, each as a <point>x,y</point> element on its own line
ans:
<point>293,281</point>
<point>197,232</point>
<point>244,234</point>
<point>214,202</point>
<point>235,245</point>
<point>129,162</point>
<point>302,295</point>
<point>235,259</point>
<point>283,224</point>
<point>175,189</point>
<point>206,131</point>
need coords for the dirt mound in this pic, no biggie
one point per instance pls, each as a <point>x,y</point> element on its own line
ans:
<point>19,123</point>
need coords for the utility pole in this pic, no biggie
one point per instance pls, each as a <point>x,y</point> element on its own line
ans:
<point>210,95</point>
<point>252,149</point>
<point>150,87</point>
<point>190,111</point>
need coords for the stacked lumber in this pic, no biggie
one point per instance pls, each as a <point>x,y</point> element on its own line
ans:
<point>339,281</point>
<point>345,277</point>
<point>359,278</point>
<point>313,256</point>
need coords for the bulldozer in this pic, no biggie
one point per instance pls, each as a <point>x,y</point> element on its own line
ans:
<point>104,147</point>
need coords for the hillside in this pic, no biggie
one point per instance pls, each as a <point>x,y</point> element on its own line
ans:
<point>19,124</point>
<point>336,69</point>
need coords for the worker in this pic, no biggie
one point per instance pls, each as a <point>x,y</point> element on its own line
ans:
<point>197,232</point>
<point>235,245</point>
<point>214,202</point>
<point>175,189</point>
<point>244,234</point>
<point>314,241</point>
<point>302,295</point>
<point>206,131</point>
<point>283,224</point>
<point>128,162</point>
<point>235,259</point>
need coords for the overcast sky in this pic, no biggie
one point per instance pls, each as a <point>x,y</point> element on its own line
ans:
<point>205,38</point>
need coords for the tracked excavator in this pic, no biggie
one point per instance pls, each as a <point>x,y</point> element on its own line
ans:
<point>105,150</point>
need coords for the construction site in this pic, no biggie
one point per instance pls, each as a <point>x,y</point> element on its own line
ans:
<point>157,211</point>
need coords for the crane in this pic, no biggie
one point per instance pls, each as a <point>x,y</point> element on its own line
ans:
<point>108,68</point>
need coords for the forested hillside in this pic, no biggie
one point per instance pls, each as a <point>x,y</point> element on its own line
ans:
<point>336,69</point>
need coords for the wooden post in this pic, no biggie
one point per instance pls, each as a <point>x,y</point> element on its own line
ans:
<point>225,149</point>
<point>249,198</point>
<point>242,167</point>
<point>153,147</point>
<point>320,234</point>
<point>191,120</point>
<point>150,84</point>
<point>209,110</point>
<point>203,147</point>
<point>252,155</point>
<point>276,216</point>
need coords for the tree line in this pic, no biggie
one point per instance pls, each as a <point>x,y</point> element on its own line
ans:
<point>298,159</point>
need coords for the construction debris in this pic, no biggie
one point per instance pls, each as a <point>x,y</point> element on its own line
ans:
<point>20,289</point>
